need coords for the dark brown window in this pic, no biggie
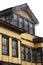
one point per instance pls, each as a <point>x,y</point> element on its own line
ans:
<point>38,54</point>
<point>20,19</point>
<point>34,55</point>
<point>2,18</point>
<point>22,52</point>
<point>31,28</point>
<point>9,17</point>
<point>14,22</point>
<point>25,53</point>
<point>26,25</point>
<point>14,48</point>
<point>5,45</point>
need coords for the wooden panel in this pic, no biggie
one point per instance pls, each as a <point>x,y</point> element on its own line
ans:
<point>5,58</point>
<point>26,63</point>
<point>27,36</point>
<point>19,52</point>
<point>33,64</point>
<point>23,14</point>
<point>15,60</point>
<point>10,50</point>
<point>39,64</point>
<point>37,45</point>
<point>41,44</point>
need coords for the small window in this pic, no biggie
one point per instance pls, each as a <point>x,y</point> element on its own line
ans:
<point>39,55</point>
<point>14,22</point>
<point>22,52</point>
<point>15,17</point>
<point>25,25</point>
<point>14,48</point>
<point>31,28</point>
<point>8,18</point>
<point>27,57</point>
<point>5,45</point>
<point>34,55</point>
<point>20,22</point>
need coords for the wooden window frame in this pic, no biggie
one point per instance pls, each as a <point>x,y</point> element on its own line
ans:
<point>7,44</point>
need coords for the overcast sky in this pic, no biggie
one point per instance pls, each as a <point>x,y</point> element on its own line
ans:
<point>35,5</point>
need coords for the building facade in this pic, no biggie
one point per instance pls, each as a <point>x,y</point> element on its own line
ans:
<point>18,43</point>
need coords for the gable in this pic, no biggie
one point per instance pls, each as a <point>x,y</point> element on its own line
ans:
<point>23,14</point>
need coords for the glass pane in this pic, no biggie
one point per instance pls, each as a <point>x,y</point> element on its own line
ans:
<point>8,18</point>
<point>27,57</point>
<point>14,47</point>
<point>31,27</point>
<point>2,18</point>
<point>4,41</point>
<point>22,56</point>
<point>15,23</point>
<point>14,52</point>
<point>3,47</point>
<point>15,17</point>
<point>20,22</point>
<point>22,49</point>
<point>14,44</point>
<point>26,25</point>
<point>27,50</point>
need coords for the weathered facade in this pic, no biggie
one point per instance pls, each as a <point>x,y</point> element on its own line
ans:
<point>18,43</point>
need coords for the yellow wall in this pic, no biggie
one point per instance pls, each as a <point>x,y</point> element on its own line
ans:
<point>15,35</point>
<point>5,57</point>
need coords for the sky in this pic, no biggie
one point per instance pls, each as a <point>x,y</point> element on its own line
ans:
<point>35,5</point>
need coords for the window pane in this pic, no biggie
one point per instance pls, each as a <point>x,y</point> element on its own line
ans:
<point>27,50</point>
<point>22,52</point>
<point>14,48</point>
<point>2,18</point>
<point>15,17</point>
<point>14,52</point>
<point>14,44</point>
<point>20,22</point>
<point>22,56</point>
<point>9,18</point>
<point>22,49</point>
<point>31,27</point>
<point>4,41</point>
<point>26,25</point>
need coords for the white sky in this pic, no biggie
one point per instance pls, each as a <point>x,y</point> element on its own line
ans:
<point>35,5</point>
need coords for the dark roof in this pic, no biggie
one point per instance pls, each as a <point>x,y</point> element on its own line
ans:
<point>21,7</point>
<point>38,40</point>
